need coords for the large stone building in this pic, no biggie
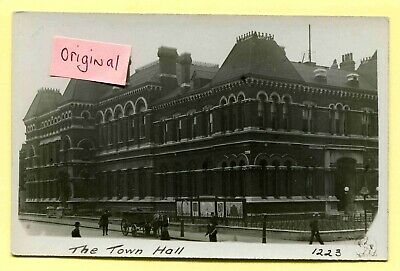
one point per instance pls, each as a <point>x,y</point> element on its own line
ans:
<point>260,134</point>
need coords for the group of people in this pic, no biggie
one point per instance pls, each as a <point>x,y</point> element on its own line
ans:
<point>211,228</point>
<point>103,224</point>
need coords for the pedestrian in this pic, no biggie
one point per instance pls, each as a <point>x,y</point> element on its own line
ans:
<point>164,233</point>
<point>212,232</point>
<point>214,219</point>
<point>75,232</point>
<point>314,229</point>
<point>164,228</point>
<point>103,222</point>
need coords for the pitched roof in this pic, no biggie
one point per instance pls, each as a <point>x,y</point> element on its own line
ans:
<point>334,77</point>
<point>150,74</point>
<point>147,74</point>
<point>44,101</point>
<point>84,91</point>
<point>256,56</point>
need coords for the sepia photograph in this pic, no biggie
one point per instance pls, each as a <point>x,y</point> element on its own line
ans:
<point>232,137</point>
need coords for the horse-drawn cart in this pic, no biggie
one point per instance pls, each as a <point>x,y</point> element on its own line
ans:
<point>147,221</point>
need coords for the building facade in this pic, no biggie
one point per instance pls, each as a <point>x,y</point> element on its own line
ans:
<point>259,134</point>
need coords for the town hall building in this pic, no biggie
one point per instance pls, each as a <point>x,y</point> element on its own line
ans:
<point>259,134</point>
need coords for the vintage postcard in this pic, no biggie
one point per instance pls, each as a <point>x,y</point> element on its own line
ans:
<point>200,136</point>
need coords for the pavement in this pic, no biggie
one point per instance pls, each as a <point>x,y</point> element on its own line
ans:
<point>41,224</point>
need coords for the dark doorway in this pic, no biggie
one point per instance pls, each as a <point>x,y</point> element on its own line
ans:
<point>345,177</point>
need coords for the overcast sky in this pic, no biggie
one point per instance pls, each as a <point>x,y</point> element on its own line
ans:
<point>207,38</point>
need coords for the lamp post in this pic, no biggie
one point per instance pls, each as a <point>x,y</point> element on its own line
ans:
<point>346,200</point>
<point>364,192</point>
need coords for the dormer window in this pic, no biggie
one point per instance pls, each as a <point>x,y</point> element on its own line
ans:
<point>320,74</point>
<point>352,78</point>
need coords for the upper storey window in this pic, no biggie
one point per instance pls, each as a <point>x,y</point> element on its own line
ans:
<point>308,117</point>
<point>141,107</point>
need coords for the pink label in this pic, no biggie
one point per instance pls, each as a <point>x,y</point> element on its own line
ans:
<point>90,60</point>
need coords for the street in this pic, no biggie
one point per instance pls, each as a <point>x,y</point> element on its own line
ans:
<point>50,229</point>
<point>56,229</point>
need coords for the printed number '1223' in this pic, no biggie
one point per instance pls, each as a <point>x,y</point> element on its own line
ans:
<point>327,252</point>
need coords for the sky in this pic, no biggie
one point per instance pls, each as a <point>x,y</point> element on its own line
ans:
<point>208,38</point>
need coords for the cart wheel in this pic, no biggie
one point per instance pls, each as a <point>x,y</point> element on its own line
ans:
<point>124,227</point>
<point>134,230</point>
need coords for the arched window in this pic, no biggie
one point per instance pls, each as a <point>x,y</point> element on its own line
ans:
<point>365,122</point>
<point>205,181</point>
<point>309,182</point>
<point>86,150</point>
<point>223,117</point>
<point>263,178</point>
<point>240,119</point>
<point>339,119</point>
<point>288,178</point>
<point>232,113</point>
<point>86,117</point>
<point>118,114</point>
<point>163,182</point>
<point>210,123</point>
<point>191,179</point>
<point>108,120</point>
<point>241,182</point>
<point>332,116</point>
<point>192,123</point>
<point>261,112</point>
<point>224,178</point>
<point>99,127</point>
<point>142,183</point>
<point>130,183</point>
<point>232,179</point>
<point>66,148</point>
<point>141,107</point>
<point>286,113</point>
<point>178,130</point>
<point>274,112</point>
<point>177,181</point>
<point>275,179</point>
<point>109,185</point>
<point>164,131</point>
<point>308,118</point>
<point>130,123</point>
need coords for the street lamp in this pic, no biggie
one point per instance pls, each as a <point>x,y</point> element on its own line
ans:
<point>346,200</point>
<point>364,192</point>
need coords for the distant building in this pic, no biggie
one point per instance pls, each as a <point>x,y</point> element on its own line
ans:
<point>260,134</point>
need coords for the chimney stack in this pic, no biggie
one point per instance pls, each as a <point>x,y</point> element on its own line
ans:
<point>167,61</point>
<point>185,60</point>
<point>348,63</point>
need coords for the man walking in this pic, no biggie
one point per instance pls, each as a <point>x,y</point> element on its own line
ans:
<point>212,232</point>
<point>314,229</point>
<point>103,222</point>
